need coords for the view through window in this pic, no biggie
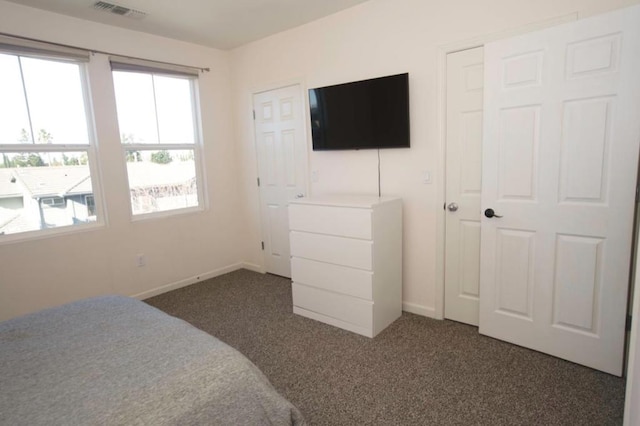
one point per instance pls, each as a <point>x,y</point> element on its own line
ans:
<point>45,143</point>
<point>157,120</point>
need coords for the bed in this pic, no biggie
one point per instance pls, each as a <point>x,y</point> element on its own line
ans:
<point>117,361</point>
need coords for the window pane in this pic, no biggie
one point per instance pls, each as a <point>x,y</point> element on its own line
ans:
<point>174,105</point>
<point>56,104</point>
<point>14,120</point>
<point>136,107</point>
<point>44,190</point>
<point>161,180</point>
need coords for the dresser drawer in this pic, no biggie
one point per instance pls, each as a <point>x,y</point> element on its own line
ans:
<point>337,250</point>
<point>344,308</point>
<point>336,278</point>
<point>342,221</point>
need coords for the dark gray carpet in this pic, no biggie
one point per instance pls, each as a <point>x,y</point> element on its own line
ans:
<point>418,371</point>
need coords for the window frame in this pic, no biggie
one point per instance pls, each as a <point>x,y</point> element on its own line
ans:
<point>54,54</point>
<point>196,146</point>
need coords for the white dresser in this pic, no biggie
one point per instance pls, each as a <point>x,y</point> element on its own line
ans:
<point>346,260</point>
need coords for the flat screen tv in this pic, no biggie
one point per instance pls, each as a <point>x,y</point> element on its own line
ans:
<point>368,114</point>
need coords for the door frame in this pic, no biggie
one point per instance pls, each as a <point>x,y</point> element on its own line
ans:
<point>305,114</point>
<point>442,53</point>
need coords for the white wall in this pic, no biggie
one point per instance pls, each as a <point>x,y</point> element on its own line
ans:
<point>46,272</point>
<point>377,38</point>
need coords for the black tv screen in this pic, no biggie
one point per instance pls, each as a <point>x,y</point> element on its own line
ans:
<point>366,114</point>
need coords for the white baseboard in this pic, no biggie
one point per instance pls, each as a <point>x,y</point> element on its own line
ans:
<point>253,267</point>
<point>413,308</point>
<point>196,278</point>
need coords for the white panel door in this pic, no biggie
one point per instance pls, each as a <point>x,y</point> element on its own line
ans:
<point>463,185</point>
<point>281,151</point>
<point>560,156</point>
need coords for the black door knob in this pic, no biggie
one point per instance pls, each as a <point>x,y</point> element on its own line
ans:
<point>490,213</point>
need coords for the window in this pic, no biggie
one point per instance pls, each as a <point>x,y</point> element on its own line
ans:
<point>52,201</point>
<point>45,139</point>
<point>157,118</point>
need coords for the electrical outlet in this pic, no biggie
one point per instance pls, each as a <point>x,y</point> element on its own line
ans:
<point>141,260</point>
<point>315,176</point>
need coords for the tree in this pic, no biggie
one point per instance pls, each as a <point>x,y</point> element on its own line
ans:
<point>84,159</point>
<point>133,156</point>
<point>19,160</point>
<point>187,157</point>
<point>70,161</point>
<point>35,160</point>
<point>127,138</point>
<point>161,157</point>
<point>24,136</point>
<point>31,160</point>
<point>44,137</point>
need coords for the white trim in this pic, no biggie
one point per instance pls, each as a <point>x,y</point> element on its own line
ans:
<point>253,267</point>
<point>188,281</point>
<point>442,53</point>
<point>201,165</point>
<point>414,308</point>
<point>140,217</point>
<point>38,147</point>
<point>92,68</point>
<point>140,146</point>
<point>41,234</point>
<point>255,90</point>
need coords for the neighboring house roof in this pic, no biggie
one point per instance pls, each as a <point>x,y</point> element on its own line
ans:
<point>9,188</point>
<point>51,181</point>
<point>13,221</point>
<point>82,187</point>
<point>75,180</point>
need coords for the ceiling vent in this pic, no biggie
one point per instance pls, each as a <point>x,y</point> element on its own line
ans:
<point>116,9</point>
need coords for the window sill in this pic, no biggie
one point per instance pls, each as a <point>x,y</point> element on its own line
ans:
<point>49,233</point>
<point>166,214</point>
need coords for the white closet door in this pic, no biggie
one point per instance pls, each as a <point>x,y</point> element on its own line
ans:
<point>281,152</point>
<point>560,156</point>
<point>464,183</point>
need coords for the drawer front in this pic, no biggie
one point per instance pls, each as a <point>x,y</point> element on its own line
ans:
<point>340,221</point>
<point>336,250</point>
<point>336,278</point>
<point>345,308</point>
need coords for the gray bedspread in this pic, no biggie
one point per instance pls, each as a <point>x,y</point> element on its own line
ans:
<point>118,361</point>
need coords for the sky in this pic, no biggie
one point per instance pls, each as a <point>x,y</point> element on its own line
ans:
<point>59,108</point>
<point>135,96</point>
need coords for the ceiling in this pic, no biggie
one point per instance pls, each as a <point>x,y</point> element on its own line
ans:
<point>222,24</point>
